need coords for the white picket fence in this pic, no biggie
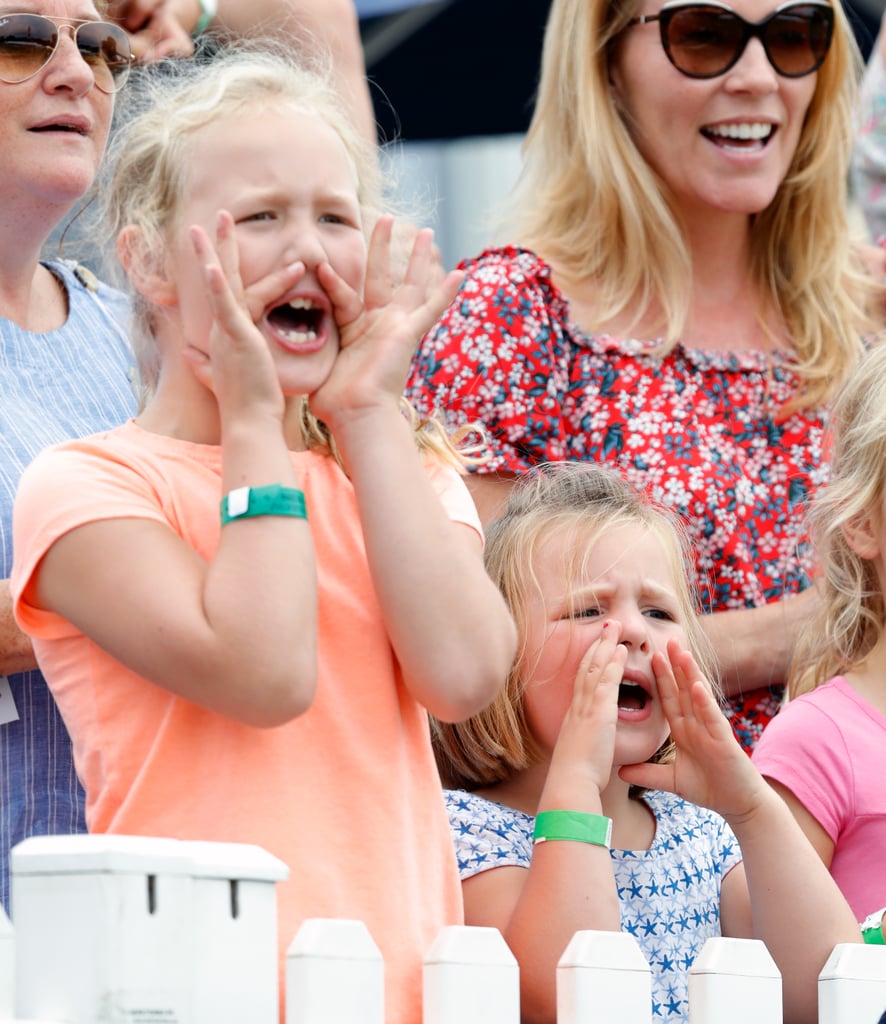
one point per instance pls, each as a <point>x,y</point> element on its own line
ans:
<point>123,930</point>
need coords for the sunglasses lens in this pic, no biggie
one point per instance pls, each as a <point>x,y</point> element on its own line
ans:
<point>105,48</point>
<point>701,41</point>
<point>704,41</point>
<point>797,40</point>
<point>27,41</point>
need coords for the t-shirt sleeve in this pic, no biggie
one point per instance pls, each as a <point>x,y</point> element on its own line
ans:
<point>66,487</point>
<point>487,835</point>
<point>453,494</point>
<point>804,751</point>
<point>498,357</point>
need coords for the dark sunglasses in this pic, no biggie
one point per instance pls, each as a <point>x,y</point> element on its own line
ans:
<point>28,41</point>
<point>706,40</point>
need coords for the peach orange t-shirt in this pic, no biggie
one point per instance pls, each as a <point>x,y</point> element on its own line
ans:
<point>347,794</point>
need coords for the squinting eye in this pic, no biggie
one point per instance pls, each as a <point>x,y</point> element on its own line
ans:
<point>586,613</point>
<point>332,218</point>
<point>660,613</point>
<point>261,215</point>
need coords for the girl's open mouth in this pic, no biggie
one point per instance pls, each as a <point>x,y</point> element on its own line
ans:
<point>631,697</point>
<point>297,321</point>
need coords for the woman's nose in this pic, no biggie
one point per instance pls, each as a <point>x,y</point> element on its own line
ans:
<point>66,68</point>
<point>753,72</point>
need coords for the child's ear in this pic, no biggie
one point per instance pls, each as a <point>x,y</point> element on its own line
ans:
<point>862,535</point>
<point>148,276</point>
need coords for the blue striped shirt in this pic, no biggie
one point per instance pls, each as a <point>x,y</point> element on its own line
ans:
<point>65,383</point>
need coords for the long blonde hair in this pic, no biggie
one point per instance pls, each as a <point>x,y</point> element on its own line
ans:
<point>149,162</point>
<point>583,501</point>
<point>851,611</point>
<point>589,202</point>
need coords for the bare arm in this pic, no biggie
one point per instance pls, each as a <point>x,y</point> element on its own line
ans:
<point>782,893</point>
<point>331,23</point>
<point>821,842</point>
<point>237,634</point>
<point>17,653</point>
<point>447,621</point>
<point>795,905</point>
<point>569,886</point>
<point>746,663</point>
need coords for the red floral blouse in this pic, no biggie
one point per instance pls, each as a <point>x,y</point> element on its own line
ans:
<point>699,430</point>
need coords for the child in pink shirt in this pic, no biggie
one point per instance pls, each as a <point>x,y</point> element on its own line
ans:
<point>825,752</point>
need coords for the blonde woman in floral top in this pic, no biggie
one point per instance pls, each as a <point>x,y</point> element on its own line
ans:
<point>684,297</point>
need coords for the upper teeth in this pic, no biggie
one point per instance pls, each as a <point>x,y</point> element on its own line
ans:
<point>742,131</point>
<point>301,303</point>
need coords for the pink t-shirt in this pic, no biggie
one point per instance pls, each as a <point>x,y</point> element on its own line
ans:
<point>828,747</point>
<point>347,794</point>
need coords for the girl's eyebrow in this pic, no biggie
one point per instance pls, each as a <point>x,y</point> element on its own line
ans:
<point>601,588</point>
<point>273,193</point>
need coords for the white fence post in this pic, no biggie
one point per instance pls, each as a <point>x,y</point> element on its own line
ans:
<point>101,929</point>
<point>7,967</point>
<point>852,985</point>
<point>603,977</point>
<point>334,974</point>
<point>471,977</point>
<point>734,981</point>
<point>126,928</point>
<point>236,974</point>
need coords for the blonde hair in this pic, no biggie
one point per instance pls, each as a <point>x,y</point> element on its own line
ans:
<point>583,501</point>
<point>850,616</point>
<point>590,203</point>
<point>148,175</point>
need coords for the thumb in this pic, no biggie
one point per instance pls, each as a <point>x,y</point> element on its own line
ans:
<point>649,776</point>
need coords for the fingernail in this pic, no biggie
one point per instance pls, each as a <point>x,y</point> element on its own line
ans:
<point>606,625</point>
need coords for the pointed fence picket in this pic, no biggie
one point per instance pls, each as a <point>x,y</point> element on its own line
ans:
<point>471,977</point>
<point>334,975</point>
<point>734,981</point>
<point>603,977</point>
<point>851,986</point>
<point>120,929</point>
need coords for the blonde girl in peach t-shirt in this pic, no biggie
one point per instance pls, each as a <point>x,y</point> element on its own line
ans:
<point>246,600</point>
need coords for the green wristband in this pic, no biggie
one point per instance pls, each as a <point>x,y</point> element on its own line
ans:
<point>273,500</point>
<point>208,11</point>
<point>872,928</point>
<point>577,826</point>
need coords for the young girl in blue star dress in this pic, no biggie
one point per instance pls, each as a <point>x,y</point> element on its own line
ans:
<point>604,788</point>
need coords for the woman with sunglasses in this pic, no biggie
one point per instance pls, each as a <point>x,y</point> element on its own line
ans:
<point>683,297</point>
<point>64,357</point>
